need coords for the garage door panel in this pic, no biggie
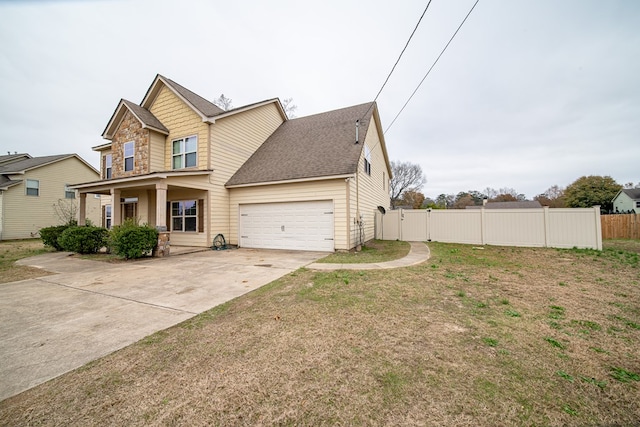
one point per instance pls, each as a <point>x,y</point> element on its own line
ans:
<point>294,225</point>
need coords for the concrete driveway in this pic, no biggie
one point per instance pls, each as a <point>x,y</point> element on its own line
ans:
<point>54,324</point>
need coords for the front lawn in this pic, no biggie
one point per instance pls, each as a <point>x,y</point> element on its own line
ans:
<point>13,250</point>
<point>373,251</point>
<point>482,337</point>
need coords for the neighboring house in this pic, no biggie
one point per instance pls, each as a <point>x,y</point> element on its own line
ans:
<point>525,204</point>
<point>193,170</point>
<point>33,188</point>
<point>627,200</point>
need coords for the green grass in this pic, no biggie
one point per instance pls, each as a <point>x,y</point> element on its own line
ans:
<point>14,250</point>
<point>372,252</point>
<point>430,344</point>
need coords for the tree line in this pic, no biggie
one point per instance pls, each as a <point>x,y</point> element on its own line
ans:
<point>587,191</point>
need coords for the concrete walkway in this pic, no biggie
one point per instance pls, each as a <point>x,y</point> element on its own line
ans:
<point>418,253</point>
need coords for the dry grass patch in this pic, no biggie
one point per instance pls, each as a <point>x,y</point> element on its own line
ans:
<point>13,250</point>
<point>373,251</point>
<point>482,337</point>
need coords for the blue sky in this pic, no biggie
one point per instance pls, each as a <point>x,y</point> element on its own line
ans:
<point>528,95</point>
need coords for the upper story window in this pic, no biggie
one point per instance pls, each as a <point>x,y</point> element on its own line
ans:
<point>68,192</point>
<point>185,152</point>
<point>128,156</point>
<point>33,187</point>
<point>367,160</point>
<point>108,159</point>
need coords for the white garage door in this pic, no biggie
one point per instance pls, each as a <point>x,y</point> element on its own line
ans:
<point>304,226</point>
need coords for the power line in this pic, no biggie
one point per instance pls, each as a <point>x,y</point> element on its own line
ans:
<point>432,65</point>
<point>398,60</point>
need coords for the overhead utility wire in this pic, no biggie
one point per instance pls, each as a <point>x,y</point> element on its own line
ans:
<point>398,60</point>
<point>433,65</point>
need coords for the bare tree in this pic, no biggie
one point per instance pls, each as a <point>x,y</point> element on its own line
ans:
<point>407,176</point>
<point>66,210</point>
<point>289,107</point>
<point>223,102</point>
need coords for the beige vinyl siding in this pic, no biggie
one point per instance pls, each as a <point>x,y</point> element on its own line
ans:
<point>25,215</point>
<point>296,192</point>
<point>179,238</point>
<point>156,152</point>
<point>371,189</point>
<point>181,121</point>
<point>233,140</point>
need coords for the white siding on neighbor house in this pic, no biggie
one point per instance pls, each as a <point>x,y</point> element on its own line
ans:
<point>24,216</point>
<point>294,192</point>
<point>233,140</point>
<point>370,191</point>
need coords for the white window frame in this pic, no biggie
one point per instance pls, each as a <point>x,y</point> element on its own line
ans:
<point>32,187</point>
<point>367,160</point>
<point>108,216</point>
<point>69,193</point>
<point>182,155</point>
<point>182,215</point>
<point>108,166</point>
<point>130,156</point>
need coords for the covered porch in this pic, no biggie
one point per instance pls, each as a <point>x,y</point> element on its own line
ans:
<point>175,206</point>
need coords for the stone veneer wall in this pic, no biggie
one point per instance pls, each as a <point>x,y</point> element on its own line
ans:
<point>130,129</point>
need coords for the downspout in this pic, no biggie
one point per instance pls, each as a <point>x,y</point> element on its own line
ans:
<point>357,219</point>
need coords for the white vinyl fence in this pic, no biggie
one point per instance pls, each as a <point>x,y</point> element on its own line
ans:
<point>544,227</point>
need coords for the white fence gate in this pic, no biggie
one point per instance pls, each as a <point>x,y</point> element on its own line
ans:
<point>544,227</point>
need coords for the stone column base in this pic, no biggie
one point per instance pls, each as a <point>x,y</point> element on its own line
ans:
<point>164,245</point>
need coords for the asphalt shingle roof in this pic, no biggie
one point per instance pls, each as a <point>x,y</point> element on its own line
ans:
<point>308,147</point>
<point>634,193</point>
<point>23,165</point>
<point>147,118</point>
<point>207,108</point>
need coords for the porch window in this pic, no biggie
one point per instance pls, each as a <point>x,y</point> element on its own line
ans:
<point>107,166</point>
<point>367,160</point>
<point>128,156</point>
<point>107,216</point>
<point>68,192</point>
<point>33,187</point>
<point>185,152</point>
<point>184,215</point>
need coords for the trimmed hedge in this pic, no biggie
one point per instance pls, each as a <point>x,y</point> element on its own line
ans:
<point>50,235</point>
<point>84,240</point>
<point>131,240</point>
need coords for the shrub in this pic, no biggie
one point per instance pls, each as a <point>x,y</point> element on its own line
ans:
<point>50,235</point>
<point>131,240</point>
<point>83,240</point>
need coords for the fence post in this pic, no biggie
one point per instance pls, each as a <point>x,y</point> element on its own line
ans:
<point>596,211</point>
<point>547,227</point>
<point>483,226</point>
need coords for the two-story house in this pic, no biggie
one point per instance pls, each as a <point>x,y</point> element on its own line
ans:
<point>35,192</point>
<point>180,163</point>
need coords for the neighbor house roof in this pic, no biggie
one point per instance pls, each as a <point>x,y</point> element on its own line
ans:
<point>527,204</point>
<point>8,158</point>
<point>633,193</point>
<point>309,147</point>
<point>21,166</point>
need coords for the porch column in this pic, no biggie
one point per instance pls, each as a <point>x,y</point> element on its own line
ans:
<point>82,210</point>
<point>116,209</point>
<point>161,206</point>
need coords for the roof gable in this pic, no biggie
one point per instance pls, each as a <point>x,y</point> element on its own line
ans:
<point>309,147</point>
<point>144,116</point>
<point>633,193</point>
<point>205,109</point>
